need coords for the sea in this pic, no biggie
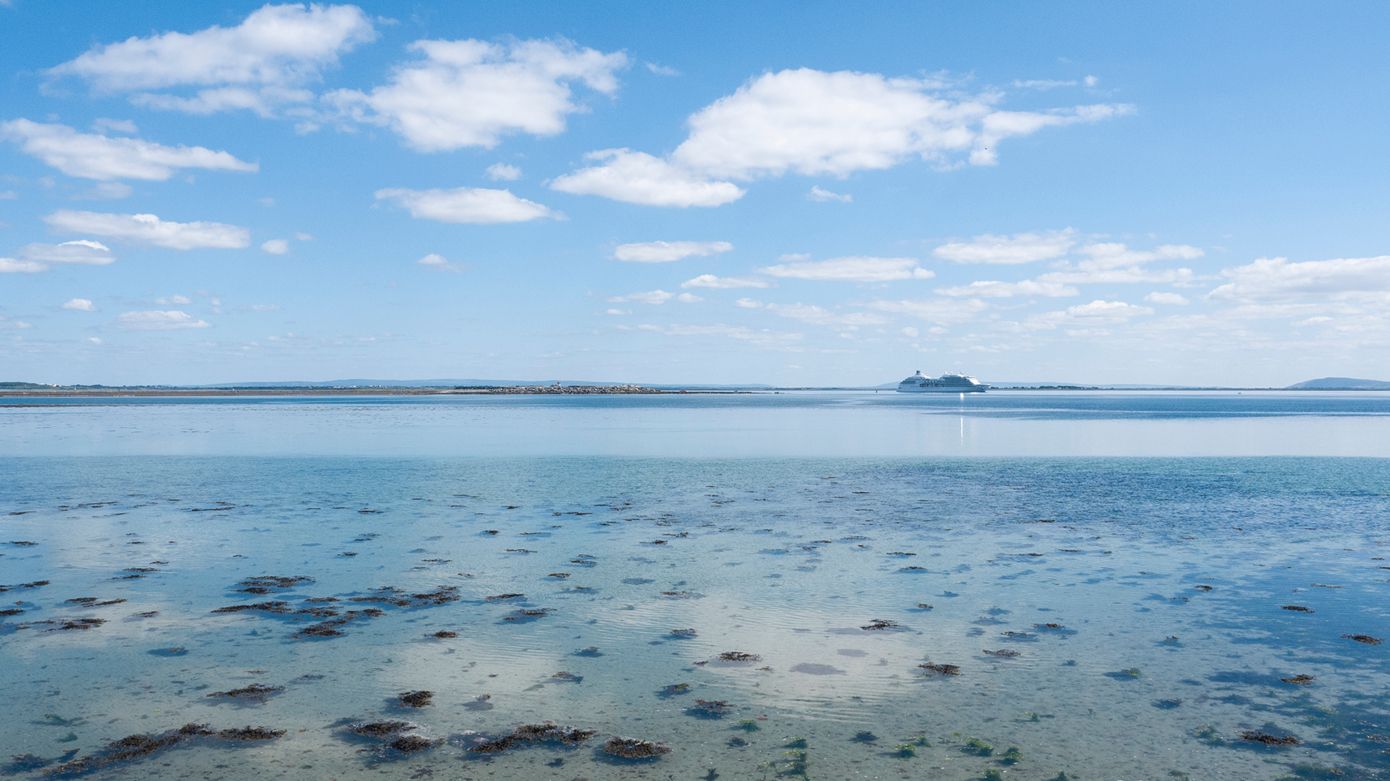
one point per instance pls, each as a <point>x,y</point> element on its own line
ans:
<point>1090,586</point>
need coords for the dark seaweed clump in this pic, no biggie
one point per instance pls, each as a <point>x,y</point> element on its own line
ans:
<point>1363,639</point>
<point>396,736</point>
<point>135,747</point>
<point>879,624</point>
<point>416,699</point>
<point>547,733</point>
<point>1299,680</point>
<point>634,749</point>
<point>390,595</point>
<point>273,606</point>
<point>266,584</point>
<point>739,656</point>
<point>381,729</point>
<point>526,614</point>
<point>940,669</point>
<point>709,709</point>
<point>34,584</point>
<point>79,624</point>
<point>1266,739</point>
<point>255,692</point>
<point>330,628</point>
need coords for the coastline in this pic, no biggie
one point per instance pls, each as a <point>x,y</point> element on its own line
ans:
<point>520,390</point>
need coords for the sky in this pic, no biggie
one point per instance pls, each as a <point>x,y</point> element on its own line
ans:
<point>799,193</point>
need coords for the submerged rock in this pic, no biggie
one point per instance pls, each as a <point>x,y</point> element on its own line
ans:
<point>632,748</point>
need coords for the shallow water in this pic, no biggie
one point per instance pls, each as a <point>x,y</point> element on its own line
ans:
<point>1167,578</point>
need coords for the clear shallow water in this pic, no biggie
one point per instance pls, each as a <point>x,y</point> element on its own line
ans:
<point>786,558</point>
<point>811,424</point>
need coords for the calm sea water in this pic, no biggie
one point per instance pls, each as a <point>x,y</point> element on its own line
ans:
<point>1111,575</point>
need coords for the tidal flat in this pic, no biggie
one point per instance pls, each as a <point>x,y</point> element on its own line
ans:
<point>613,618</point>
<point>516,617</point>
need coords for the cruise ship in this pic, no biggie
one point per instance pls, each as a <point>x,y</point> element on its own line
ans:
<point>946,383</point>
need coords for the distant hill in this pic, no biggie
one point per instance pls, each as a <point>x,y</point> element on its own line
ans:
<point>1340,383</point>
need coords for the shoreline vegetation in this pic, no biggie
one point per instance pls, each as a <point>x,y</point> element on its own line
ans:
<point>477,390</point>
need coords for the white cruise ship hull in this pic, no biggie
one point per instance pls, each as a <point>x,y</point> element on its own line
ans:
<point>958,389</point>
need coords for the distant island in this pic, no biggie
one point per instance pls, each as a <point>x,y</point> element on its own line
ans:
<point>1340,383</point>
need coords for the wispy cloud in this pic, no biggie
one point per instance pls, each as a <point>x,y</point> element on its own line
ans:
<point>851,269</point>
<point>723,283</point>
<point>473,205</point>
<point>92,156</point>
<point>159,320</point>
<point>150,229</point>
<point>668,251</point>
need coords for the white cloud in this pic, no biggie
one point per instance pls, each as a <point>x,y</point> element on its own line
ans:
<point>275,246</point>
<point>472,93</point>
<point>689,298</point>
<point>1166,299</point>
<point>438,263</point>
<point>810,313</point>
<point>503,172</point>
<point>176,299</point>
<point>637,177</point>
<point>1096,313</point>
<point>80,305</point>
<point>944,311</point>
<point>1043,84</point>
<point>616,312</point>
<point>723,283</point>
<point>473,205</point>
<point>814,122</point>
<point>1091,81</point>
<point>252,65</point>
<point>82,252</point>
<point>822,195</point>
<point>92,156</point>
<point>1115,263</point>
<point>1000,125</point>
<point>851,269</point>
<point>660,70</point>
<point>911,332</point>
<point>1104,255</point>
<point>748,303</point>
<point>159,320</point>
<point>1108,310</point>
<point>264,101</point>
<point>758,337</point>
<point>994,289</point>
<point>150,229</point>
<point>12,266</point>
<point>1277,281</point>
<point>668,251</point>
<point>1009,250</point>
<point>648,297</point>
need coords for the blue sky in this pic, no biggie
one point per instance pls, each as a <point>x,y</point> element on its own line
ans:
<point>799,193</point>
